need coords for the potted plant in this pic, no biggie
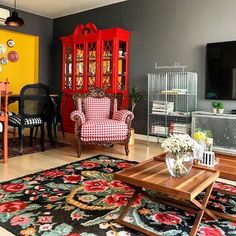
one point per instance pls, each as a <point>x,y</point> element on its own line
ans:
<point>215,106</point>
<point>135,96</point>
<point>220,107</point>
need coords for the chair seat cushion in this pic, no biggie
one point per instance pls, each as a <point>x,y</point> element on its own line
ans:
<point>103,130</point>
<point>16,121</point>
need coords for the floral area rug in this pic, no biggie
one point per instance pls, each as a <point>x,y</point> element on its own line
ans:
<point>83,199</point>
<point>14,146</point>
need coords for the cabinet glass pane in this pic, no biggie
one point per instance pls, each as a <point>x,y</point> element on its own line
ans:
<point>107,63</point>
<point>79,67</point>
<point>92,55</point>
<point>122,65</point>
<point>68,68</point>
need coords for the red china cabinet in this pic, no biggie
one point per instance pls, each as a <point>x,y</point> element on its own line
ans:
<point>93,58</point>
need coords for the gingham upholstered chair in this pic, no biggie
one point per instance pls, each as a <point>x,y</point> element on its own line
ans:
<point>98,120</point>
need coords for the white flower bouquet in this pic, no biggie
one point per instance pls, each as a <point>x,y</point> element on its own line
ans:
<point>181,146</point>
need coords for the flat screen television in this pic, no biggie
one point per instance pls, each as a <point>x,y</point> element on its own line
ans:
<point>221,70</point>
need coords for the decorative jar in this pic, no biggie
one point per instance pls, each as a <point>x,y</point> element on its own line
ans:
<point>179,164</point>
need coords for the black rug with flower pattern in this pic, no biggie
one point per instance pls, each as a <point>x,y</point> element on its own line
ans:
<point>82,199</point>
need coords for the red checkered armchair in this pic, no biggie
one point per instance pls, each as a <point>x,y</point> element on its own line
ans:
<point>98,120</point>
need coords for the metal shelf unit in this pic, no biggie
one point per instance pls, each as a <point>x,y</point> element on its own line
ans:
<point>172,97</point>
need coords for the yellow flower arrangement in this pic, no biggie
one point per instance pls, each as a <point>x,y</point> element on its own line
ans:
<point>199,136</point>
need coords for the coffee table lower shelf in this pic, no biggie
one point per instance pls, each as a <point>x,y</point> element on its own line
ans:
<point>176,192</point>
<point>194,207</point>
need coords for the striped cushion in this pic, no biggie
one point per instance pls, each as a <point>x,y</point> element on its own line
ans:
<point>101,130</point>
<point>16,121</point>
<point>97,108</point>
<point>2,113</point>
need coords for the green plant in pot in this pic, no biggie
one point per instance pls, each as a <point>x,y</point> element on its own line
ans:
<point>215,106</point>
<point>220,107</point>
<point>135,96</point>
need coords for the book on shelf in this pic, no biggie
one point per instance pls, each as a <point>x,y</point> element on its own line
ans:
<point>158,129</point>
<point>171,113</point>
<point>162,106</point>
<point>181,128</point>
<point>174,91</point>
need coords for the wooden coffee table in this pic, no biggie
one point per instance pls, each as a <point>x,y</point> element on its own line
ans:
<point>177,192</point>
<point>226,164</point>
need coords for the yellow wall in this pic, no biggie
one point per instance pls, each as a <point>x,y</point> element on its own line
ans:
<point>25,70</point>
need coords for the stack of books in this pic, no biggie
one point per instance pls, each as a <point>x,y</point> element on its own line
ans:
<point>158,129</point>
<point>162,107</point>
<point>181,128</point>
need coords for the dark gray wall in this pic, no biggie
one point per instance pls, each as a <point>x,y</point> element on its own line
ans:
<point>163,31</point>
<point>42,27</point>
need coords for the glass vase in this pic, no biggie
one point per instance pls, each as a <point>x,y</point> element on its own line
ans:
<point>179,164</point>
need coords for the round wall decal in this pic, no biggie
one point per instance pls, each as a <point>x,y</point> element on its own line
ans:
<point>3,48</point>
<point>3,60</point>
<point>12,56</point>
<point>10,43</point>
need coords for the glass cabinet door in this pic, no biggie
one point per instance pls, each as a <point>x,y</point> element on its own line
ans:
<point>107,65</point>
<point>122,66</point>
<point>91,64</point>
<point>68,68</point>
<point>79,67</point>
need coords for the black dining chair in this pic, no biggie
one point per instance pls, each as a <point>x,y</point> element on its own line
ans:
<point>58,117</point>
<point>53,118</point>
<point>32,111</point>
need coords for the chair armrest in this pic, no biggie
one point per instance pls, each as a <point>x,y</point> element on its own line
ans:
<point>123,115</point>
<point>77,116</point>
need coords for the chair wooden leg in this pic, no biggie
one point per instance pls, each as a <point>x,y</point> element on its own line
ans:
<point>21,133</point>
<point>42,139</point>
<point>5,142</point>
<point>62,127</point>
<point>36,132</point>
<point>51,138</point>
<point>127,148</point>
<point>79,149</point>
<point>14,133</point>
<point>31,136</point>
<point>54,129</point>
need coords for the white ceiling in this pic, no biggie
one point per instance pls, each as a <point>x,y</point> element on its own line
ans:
<point>57,8</point>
